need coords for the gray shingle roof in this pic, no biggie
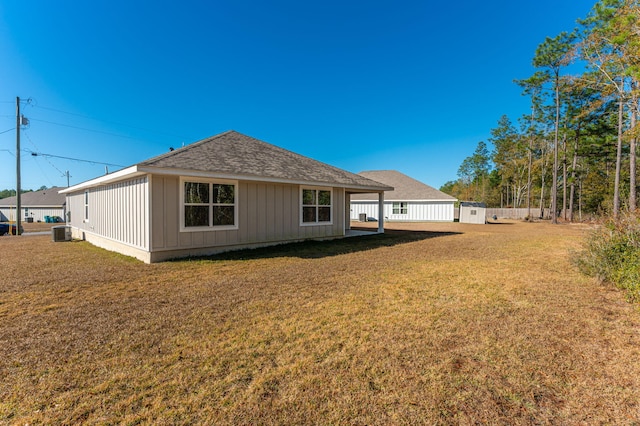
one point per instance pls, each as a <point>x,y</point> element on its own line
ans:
<point>46,197</point>
<point>405,188</point>
<point>237,154</point>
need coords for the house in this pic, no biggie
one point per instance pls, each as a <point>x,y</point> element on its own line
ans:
<point>34,206</point>
<point>226,192</point>
<point>473,212</point>
<point>409,201</point>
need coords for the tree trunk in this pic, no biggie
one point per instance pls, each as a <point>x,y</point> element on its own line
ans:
<point>574,165</point>
<point>543,172</point>
<point>554,183</point>
<point>616,187</point>
<point>564,177</point>
<point>632,157</point>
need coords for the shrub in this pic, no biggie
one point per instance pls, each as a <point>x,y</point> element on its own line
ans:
<point>612,254</point>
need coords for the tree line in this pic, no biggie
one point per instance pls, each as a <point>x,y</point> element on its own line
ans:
<point>4,193</point>
<point>574,152</point>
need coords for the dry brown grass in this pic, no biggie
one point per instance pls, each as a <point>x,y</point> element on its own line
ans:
<point>462,324</point>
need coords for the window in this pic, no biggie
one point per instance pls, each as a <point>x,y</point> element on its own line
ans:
<point>208,204</point>
<point>316,206</point>
<point>400,208</point>
<point>473,212</point>
<point>86,206</point>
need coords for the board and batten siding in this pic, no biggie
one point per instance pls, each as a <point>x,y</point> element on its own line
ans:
<point>417,211</point>
<point>117,212</point>
<point>268,213</point>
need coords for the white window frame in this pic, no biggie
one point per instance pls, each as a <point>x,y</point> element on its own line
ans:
<point>211,204</point>
<point>316,205</point>
<point>86,206</point>
<point>402,206</point>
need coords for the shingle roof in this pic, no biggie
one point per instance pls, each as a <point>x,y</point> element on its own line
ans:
<point>46,197</point>
<point>237,154</point>
<point>405,188</point>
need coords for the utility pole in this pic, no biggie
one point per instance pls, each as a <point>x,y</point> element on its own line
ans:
<point>18,206</point>
<point>67,176</point>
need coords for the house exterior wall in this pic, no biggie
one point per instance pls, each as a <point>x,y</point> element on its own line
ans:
<point>417,211</point>
<point>268,213</point>
<point>37,213</point>
<point>117,216</point>
<point>467,216</point>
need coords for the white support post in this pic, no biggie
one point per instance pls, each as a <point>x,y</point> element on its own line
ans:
<point>381,212</point>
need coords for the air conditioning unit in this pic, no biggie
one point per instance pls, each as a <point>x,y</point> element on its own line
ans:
<point>60,233</point>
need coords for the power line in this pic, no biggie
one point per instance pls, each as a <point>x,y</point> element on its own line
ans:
<point>35,154</point>
<point>5,131</point>
<point>83,128</point>
<point>108,121</point>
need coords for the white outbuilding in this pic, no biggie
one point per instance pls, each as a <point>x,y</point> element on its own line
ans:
<point>409,201</point>
<point>473,212</point>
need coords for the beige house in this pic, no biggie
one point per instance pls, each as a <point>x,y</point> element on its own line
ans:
<point>409,201</point>
<point>223,193</point>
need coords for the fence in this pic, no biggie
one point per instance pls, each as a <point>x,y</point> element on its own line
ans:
<point>510,213</point>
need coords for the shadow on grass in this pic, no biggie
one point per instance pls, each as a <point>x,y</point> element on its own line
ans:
<point>314,249</point>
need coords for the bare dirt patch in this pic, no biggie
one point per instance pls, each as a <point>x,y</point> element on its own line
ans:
<point>429,323</point>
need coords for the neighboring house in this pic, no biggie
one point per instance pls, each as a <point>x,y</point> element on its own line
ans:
<point>226,192</point>
<point>473,212</point>
<point>34,206</point>
<point>409,201</point>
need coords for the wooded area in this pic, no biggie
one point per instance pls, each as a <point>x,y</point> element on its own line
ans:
<point>575,151</point>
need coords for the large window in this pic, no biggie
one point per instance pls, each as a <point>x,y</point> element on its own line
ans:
<point>208,204</point>
<point>316,205</point>
<point>400,208</point>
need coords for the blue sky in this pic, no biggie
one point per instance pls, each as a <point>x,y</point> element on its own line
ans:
<point>362,85</point>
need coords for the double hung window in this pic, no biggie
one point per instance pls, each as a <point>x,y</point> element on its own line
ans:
<point>208,204</point>
<point>400,208</point>
<point>316,206</point>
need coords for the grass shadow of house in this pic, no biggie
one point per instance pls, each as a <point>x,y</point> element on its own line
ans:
<point>313,249</point>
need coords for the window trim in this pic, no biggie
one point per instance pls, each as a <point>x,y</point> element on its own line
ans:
<point>86,206</point>
<point>316,205</point>
<point>210,204</point>
<point>402,205</point>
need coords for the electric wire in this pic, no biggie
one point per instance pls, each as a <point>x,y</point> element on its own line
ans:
<point>33,153</point>
<point>83,128</point>
<point>108,121</point>
<point>46,158</point>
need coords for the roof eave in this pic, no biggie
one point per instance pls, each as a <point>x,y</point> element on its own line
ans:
<point>126,173</point>
<point>254,178</point>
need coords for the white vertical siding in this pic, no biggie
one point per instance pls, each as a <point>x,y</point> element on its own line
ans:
<point>427,211</point>
<point>37,213</point>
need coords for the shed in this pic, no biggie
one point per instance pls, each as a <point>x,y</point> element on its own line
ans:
<point>473,212</point>
<point>409,201</point>
<point>34,206</point>
<point>226,192</point>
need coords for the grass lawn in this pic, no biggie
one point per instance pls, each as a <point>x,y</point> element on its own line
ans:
<point>426,324</point>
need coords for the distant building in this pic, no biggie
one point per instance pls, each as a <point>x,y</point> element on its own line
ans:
<point>473,212</point>
<point>409,201</point>
<point>35,206</point>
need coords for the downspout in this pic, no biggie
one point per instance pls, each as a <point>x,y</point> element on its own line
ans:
<point>381,212</point>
